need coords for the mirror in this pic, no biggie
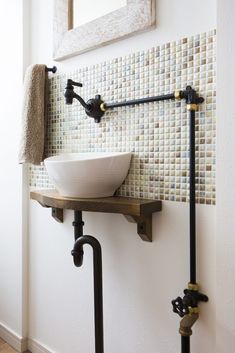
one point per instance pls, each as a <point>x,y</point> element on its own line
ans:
<point>86,11</point>
<point>82,25</point>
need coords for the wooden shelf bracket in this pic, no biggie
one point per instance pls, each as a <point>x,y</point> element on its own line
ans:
<point>138,211</point>
<point>144,226</point>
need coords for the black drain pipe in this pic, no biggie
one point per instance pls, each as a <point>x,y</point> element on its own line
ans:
<point>187,307</point>
<point>77,254</point>
<point>78,232</point>
<point>185,344</point>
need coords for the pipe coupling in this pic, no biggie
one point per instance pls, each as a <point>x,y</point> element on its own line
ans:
<point>192,106</point>
<point>193,286</point>
<point>178,95</point>
<point>103,107</point>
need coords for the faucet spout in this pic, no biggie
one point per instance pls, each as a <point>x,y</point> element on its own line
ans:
<point>188,321</point>
<point>83,103</point>
<point>93,107</point>
<point>70,94</point>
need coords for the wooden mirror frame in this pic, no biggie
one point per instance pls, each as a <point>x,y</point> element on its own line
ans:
<point>136,16</point>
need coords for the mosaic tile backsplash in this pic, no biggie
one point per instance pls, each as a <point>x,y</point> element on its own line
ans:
<point>156,133</point>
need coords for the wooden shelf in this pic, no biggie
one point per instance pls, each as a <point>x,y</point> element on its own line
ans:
<point>135,210</point>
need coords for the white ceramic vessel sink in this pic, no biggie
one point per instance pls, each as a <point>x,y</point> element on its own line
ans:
<point>88,175</point>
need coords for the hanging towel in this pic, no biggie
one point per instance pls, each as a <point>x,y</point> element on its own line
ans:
<point>34,115</point>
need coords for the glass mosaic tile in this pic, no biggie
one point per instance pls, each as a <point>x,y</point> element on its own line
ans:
<point>156,133</point>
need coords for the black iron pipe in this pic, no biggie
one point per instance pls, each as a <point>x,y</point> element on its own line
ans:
<point>98,287</point>
<point>192,200</point>
<point>78,224</point>
<point>185,344</point>
<point>78,232</point>
<point>140,101</point>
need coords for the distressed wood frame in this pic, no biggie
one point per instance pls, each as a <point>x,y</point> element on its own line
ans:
<point>136,16</point>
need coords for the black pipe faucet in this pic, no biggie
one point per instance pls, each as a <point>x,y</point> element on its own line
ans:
<point>92,106</point>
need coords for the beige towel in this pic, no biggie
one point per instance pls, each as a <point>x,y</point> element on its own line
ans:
<point>34,115</point>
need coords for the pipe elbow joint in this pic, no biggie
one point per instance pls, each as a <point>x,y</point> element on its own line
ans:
<point>188,321</point>
<point>78,252</point>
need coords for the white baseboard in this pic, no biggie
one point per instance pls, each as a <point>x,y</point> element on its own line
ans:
<point>13,339</point>
<point>35,347</point>
<point>21,344</point>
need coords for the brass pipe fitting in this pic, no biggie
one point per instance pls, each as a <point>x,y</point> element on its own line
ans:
<point>188,321</point>
<point>178,95</point>
<point>192,106</point>
<point>193,286</point>
<point>103,107</point>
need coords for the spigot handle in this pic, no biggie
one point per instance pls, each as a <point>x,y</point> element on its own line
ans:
<point>179,307</point>
<point>73,83</point>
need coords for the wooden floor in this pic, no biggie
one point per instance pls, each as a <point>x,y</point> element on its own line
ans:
<point>5,348</point>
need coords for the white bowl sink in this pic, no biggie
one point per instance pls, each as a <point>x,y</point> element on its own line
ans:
<point>88,175</point>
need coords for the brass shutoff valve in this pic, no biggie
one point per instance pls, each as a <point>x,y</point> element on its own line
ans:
<point>187,308</point>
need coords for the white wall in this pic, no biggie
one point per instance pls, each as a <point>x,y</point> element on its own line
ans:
<point>174,20</point>
<point>11,73</point>
<point>140,279</point>
<point>225,221</point>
